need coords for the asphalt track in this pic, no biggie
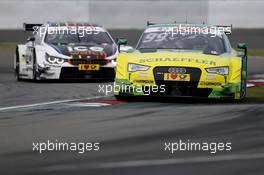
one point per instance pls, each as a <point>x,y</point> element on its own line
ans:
<point>131,135</point>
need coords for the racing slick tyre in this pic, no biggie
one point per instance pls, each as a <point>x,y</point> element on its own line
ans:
<point>16,60</point>
<point>243,91</point>
<point>121,98</point>
<point>34,67</point>
<point>128,98</point>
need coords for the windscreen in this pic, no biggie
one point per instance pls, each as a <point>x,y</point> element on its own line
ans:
<point>69,37</point>
<point>207,43</point>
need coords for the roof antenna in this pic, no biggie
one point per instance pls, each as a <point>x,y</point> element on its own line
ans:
<point>186,18</point>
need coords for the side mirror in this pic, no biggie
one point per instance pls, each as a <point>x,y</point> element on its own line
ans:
<point>242,46</point>
<point>121,41</point>
<point>32,39</point>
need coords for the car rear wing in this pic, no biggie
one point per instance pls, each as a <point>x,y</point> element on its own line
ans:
<point>150,23</point>
<point>31,27</point>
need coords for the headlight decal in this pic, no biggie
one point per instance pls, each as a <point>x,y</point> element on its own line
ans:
<point>54,60</point>
<point>224,70</point>
<point>51,60</point>
<point>131,67</point>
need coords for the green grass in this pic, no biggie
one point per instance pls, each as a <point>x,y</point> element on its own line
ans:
<point>256,92</point>
<point>8,45</point>
<point>256,52</point>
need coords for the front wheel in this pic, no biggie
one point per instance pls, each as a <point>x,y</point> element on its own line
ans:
<point>16,60</point>
<point>243,91</point>
<point>35,67</point>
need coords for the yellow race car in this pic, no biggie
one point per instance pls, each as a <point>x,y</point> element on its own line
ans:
<point>182,60</point>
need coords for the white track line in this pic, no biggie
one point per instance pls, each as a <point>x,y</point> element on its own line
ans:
<point>157,162</point>
<point>88,104</point>
<point>48,103</point>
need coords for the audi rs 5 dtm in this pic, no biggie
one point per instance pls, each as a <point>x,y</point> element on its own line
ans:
<point>182,60</point>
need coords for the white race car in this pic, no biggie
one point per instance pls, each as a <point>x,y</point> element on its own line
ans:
<point>66,51</point>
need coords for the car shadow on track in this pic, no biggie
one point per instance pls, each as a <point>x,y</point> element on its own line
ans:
<point>71,81</point>
<point>192,100</point>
